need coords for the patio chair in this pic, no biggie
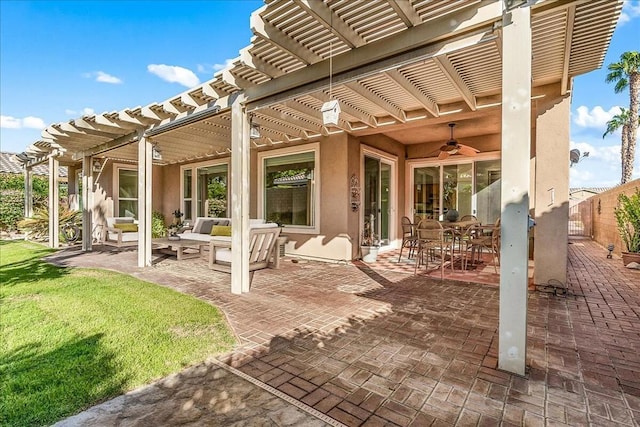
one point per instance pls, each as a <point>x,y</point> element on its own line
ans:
<point>121,232</point>
<point>262,242</point>
<point>409,237</point>
<point>479,241</point>
<point>433,240</point>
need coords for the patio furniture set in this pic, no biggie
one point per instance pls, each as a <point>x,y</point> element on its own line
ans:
<point>213,234</point>
<point>430,239</point>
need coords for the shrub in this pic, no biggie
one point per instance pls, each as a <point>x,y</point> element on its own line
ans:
<point>37,227</point>
<point>158,227</point>
<point>628,220</point>
<point>12,198</point>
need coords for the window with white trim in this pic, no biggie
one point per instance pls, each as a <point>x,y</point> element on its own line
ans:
<point>289,190</point>
<point>127,196</point>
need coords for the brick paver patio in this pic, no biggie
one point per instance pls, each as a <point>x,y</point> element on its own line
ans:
<point>370,346</point>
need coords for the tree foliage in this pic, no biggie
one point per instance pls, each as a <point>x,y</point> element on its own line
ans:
<point>626,74</point>
<point>12,198</point>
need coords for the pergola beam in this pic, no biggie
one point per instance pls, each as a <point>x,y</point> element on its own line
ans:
<point>569,26</point>
<point>331,21</point>
<point>275,37</point>
<point>414,91</point>
<point>107,146</point>
<point>376,99</point>
<point>406,12</point>
<point>456,80</point>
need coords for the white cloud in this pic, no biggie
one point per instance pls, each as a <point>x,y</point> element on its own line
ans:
<point>630,10</point>
<point>86,111</point>
<point>218,67</point>
<point>174,74</point>
<point>107,78</point>
<point>33,122</point>
<point>9,122</point>
<point>596,118</point>
<point>102,77</point>
<point>28,122</point>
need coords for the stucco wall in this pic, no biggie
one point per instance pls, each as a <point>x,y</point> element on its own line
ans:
<point>602,208</point>
<point>551,189</point>
<point>334,242</point>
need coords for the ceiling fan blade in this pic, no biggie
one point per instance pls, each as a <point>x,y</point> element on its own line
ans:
<point>465,150</point>
<point>443,155</point>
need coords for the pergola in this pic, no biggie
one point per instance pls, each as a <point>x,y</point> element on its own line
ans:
<point>398,68</point>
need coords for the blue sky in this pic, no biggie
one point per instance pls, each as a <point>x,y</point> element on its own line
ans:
<point>62,59</point>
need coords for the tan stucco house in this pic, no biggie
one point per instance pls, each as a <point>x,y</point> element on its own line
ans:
<point>401,72</point>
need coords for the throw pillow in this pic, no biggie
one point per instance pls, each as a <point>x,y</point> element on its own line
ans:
<point>126,227</point>
<point>221,230</point>
<point>123,221</point>
<point>206,226</point>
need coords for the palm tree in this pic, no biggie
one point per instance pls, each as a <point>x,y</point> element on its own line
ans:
<point>618,121</point>
<point>626,74</point>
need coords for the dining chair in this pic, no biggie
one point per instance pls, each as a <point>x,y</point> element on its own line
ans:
<point>432,241</point>
<point>479,242</point>
<point>460,235</point>
<point>409,237</point>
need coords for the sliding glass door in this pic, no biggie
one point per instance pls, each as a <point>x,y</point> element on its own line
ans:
<point>377,199</point>
<point>470,187</point>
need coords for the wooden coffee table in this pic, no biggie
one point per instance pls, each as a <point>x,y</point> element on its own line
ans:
<point>179,246</point>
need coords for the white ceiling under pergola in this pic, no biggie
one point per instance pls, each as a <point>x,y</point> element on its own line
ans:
<point>399,68</point>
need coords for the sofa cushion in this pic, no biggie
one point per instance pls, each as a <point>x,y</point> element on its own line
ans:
<point>126,227</point>
<point>223,255</point>
<point>125,220</point>
<point>203,226</point>
<point>221,230</point>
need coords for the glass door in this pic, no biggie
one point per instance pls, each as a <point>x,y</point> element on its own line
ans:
<point>457,188</point>
<point>471,188</point>
<point>377,203</point>
<point>487,189</point>
<point>211,197</point>
<point>426,192</point>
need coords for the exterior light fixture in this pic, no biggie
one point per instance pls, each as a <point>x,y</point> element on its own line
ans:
<point>330,112</point>
<point>97,166</point>
<point>156,154</point>
<point>610,248</point>
<point>254,130</point>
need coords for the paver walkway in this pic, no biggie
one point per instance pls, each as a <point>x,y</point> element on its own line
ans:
<point>377,347</point>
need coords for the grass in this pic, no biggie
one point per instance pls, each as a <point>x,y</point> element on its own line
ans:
<point>71,338</point>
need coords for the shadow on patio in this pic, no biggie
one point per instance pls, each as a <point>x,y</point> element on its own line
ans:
<point>369,347</point>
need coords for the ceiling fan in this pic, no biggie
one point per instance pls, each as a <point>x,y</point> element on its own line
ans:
<point>452,147</point>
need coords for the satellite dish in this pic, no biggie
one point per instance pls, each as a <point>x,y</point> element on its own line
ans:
<point>575,156</point>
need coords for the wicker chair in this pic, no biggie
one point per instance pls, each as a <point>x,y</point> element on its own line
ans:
<point>433,240</point>
<point>409,237</point>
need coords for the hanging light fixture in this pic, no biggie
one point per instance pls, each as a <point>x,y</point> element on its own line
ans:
<point>330,109</point>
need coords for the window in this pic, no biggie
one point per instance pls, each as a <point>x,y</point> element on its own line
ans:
<point>186,193</point>
<point>289,187</point>
<point>205,189</point>
<point>127,199</point>
<point>468,186</point>
<point>212,191</point>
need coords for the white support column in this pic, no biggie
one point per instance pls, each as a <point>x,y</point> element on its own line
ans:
<point>54,203</point>
<point>28,192</point>
<point>87,203</point>
<point>516,146</point>
<point>239,197</point>
<point>144,201</point>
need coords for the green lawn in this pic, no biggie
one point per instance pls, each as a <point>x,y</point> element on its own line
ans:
<point>70,338</point>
